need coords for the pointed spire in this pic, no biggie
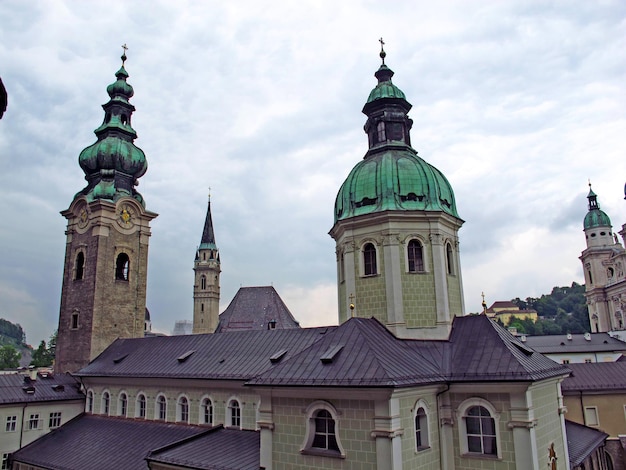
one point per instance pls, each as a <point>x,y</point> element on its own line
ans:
<point>592,198</point>
<point>208,235</point>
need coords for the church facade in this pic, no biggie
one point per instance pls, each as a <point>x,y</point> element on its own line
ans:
<point>405,381</point>
<point>604,266</point>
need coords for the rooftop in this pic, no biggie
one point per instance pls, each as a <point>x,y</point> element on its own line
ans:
<point>46,387</point>
<point>587,342</point>
<point>596,376</point>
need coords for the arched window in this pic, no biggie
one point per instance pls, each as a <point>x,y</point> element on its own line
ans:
<point>421,429</point>
<point>74,320</point>
<point>206,412</point>
<point>161,408</point>
<point>235,413</point>
<point>481,431</point>
<point>182,413</point>
<point>80,266</point>
<point>203,282</point>
<point>322,436</point>
<point>89,401</point>
<point>122,406</point>
<point>415,253</point>
<point>342,268</point>
<point>369,259</point>
<point>106,401</point>
<point>122,266</point>
<point>140,410</point>
<point>449,259</point>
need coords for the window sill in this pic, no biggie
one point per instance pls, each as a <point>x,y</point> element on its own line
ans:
<point>323,453</point>
<point>422,449</point>
<point>475,455</point>
<point>370,275</point>
<point>417,272</point>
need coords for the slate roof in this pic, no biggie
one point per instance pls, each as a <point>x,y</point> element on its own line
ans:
<point>217,449</point>
<point>359,353</point>
<point>582,441</point>
<point>596,376</point>
<point>102,443</point>
<point>235,355</point>
<point>600,342</point>
<point>253,308</point>
<point>19,388</point>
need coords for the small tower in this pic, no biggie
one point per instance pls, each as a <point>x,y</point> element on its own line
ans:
<point>603,262</point>
<point>396,228</point>
<point>103,296</point>
<point>206,289</point>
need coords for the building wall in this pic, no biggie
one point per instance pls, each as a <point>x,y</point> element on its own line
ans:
<point>610,410</point>
<point>427,459</point>
<point>12,440</point>
<point>549,429</point>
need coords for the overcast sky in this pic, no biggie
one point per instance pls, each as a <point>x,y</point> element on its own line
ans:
<point>518,103</point>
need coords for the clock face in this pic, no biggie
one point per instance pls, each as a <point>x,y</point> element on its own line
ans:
<point>126,216</point>
<point>83,216</point>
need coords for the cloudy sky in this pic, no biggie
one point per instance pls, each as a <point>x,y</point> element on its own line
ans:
<point>518,102</point>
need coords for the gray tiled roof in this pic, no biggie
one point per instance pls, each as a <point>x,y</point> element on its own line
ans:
<point>555,344</point>
<point>361,353</point>
<point>582,441</point>
<point>235,355</point>
<point>596,376</point>
<point>253,308</point>
<point>217,449</point>
<point>18,388</point>
<point>102,443</point>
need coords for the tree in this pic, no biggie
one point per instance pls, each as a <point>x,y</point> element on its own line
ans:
<point>41,356</point>
<point>9,357</point>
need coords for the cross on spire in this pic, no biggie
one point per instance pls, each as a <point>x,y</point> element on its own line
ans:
<point>125,47</point>
<point>382,54</point>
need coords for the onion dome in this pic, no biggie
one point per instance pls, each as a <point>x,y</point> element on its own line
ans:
<point>595,217</point>
<point>113,164</point>
<point>391,176</point>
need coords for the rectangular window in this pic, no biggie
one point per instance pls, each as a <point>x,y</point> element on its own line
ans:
<point>5,461</point>
<point>587,361</point>
<point>55,420</point>
<point>565,361</point>
<point>591,416</point>
<point>11,423</point>
<point>33,422</point>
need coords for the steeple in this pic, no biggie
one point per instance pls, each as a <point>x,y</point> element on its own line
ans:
<point>108,228</point>
<point>206,289</point>
<point>113,164</point>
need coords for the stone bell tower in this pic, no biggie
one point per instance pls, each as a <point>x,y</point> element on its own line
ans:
<point>103,296</point>
<point>206,289</point>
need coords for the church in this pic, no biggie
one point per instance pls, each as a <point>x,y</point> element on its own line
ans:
<point>404,381</point>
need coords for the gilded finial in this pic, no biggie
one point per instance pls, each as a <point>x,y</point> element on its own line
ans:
<point>209,193</point>
<point>351,305</point>
<point>484,304</point>
<point>382,54</point>
<point>125,47</point>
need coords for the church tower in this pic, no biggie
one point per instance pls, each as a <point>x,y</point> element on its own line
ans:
<point>396,228</point>
<point>206,289</point>
<point>103,296</point>
<point>603,262</point>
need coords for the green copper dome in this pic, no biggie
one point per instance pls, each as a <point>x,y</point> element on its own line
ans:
<point>113,163</point>
<point>595,217</point>
<point>391,177</point>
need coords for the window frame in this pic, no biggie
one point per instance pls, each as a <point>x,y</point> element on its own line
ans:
<point>141,405</point>
<point>54,419</point>
<point>594,409</point>
<point>122,404</point>
<point>182,409</point>
<point>79,266</point>
<point>206,410</point>
<point>422,442</point>
<point>462,415</point>
<point>312,415</point>
<point>160,408</point>
<point>4,463</point>
<point>449,252</point>
<point>369,259</point>
<point>89,401</point>
<point>34,422</point>
<point>408,257</point>
<point>122,267</point>
<point>105,403</point>
<point>11,423</point>
<point>234,414</point>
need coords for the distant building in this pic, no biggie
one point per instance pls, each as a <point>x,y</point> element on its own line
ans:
<point>604,267</point>
<point>577,348</point>
<point>595,395</point>
<point>182,327</point>
<point>504,311</point>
